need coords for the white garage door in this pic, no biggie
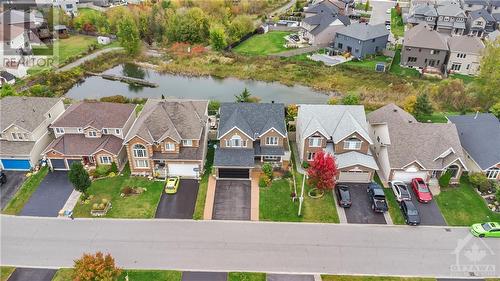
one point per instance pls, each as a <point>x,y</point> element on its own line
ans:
<point>183,170</point>
<point>357,176</point>
<point>408,176</point>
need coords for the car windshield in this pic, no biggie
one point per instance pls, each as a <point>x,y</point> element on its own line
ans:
<point>486,226</point>
<point>345,195</point>
<point>422,187</point>
<point>412,212</point>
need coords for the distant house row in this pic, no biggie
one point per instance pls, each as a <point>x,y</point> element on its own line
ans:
<point>170,138</point>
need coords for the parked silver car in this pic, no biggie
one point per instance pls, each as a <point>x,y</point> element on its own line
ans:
<point>401,190</point>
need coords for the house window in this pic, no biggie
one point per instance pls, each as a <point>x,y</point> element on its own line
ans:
<point>492,173</point>
<point>271,158</point>
<point>310,156</point>
<point>434,52</point>
<point>456,66</point>
<point>412,59</point>
<point>352,144</point>
<point>92,134</point>
<point>314,142</point>
<point>272,141</point>
<point>105,159</point>
<point>339,45</point>
<point>454,171</point>
<point>105,131</point>
<point>117,131</point>
<point>60,130</point>
<point>141,163</point>
<point>373,40</point>
<point>169,146</point>
<point>462,56</point>
<point>187,142</point>
<point>140,151</point>
<point>236,141</point>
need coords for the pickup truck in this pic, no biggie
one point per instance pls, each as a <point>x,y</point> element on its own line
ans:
<point>377,197</point>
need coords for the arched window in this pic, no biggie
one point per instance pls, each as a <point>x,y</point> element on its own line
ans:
<point>454,170</point>
<point>140,151</point>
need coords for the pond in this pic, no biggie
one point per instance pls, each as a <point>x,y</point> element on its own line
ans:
<point>210,88</point>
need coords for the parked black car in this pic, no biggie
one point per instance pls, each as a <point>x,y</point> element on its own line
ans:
<point>410,212</point>
<point>343,196</point>
<point>3,178</point>
<point>377,197</point>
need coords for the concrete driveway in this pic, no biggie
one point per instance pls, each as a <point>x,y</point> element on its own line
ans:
<point>180,205</point>
<point>14,181</point>
<point>232,200</point>
<point>31,274</point>
<point>289,277</point>
<point>50,196</point>
<point>361,210</point>
<point>429,212</point>
<point>204,276</point>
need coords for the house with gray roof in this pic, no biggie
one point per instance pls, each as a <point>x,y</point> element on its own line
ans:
<point>472,5</point>
<point>451,19</point>
<point>495,9</point>
<point>321,22</point>
<point>407,149</point>
<point>342,131</point>
<point>465,54</point>
<point>481,22</point>
<point>480,138</point>
<point>362,39</point>
<point>24,133</point>
<point>92,133</point>
<point>169,138</point>
<point>422,13</point>
<point>424,47</point>
<point>249,135</point>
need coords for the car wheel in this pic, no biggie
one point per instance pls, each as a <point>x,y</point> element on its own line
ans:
<point>373,207</point>
<point>481,235</point>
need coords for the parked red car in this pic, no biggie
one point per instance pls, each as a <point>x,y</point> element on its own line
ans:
<point>421,189</point>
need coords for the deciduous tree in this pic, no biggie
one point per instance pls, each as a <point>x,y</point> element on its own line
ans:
<point>409,103</point>
<point>486,86</point>
<point>128,34</point>
<point>217,38</point>
<point>322,171</point>
<point>495,109</point>
<point>350,99</point>
<point>92,267</point>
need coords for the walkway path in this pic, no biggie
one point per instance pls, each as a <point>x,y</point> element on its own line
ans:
<point>349,249</point>
<point>70,203</point>
<point>87,58</point>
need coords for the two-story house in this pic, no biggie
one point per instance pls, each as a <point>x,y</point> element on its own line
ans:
<point>91,132</point>
<point>472,5</point>
<point>169,138</point>
<point>423,47</point>
<point>422,13</point>
<point>465,54</point>
<point>250,134</point>
<point>340,130</point>
<point>362,39</point>
<point>481,22</point>
<point>451,19</point>
<point>407,149</point>
<point>24,123</point>
<point>495,10</point>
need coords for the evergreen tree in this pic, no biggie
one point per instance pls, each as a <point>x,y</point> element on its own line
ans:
<point>423,106</point>
<point>79,177</point>
<point>245,96</point>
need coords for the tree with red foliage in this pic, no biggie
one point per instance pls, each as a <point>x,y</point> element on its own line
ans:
<point>322,171</point>
<point>96,267</point>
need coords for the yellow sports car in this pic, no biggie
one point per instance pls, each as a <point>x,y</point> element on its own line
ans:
<point>172,185</point>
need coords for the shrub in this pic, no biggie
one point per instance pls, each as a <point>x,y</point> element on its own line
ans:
<point>95,206</point>
<point>102,170</point>
<point>332,101</point>
<point>268,170</point>
<point>497,195</point>
<point>111,174</point>
<point>113,168</point>
<point>444,179</point>
<point>350,99</point>
<point>79,177</point>
<point>96,267</point>
<point>479,181</point>
<point>287,175</point>
<point>495,109</point>
<point>264,181</point>
<point>305,165</point>
<point>115,99</point>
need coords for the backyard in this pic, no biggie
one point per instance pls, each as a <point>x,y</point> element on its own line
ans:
<point>263,44</point>
<point>397,25</point>
<point>368,63</point>
<point>462,206</point>
<point>402,71</point>
<point>133,206</point>
<point>24,193</point>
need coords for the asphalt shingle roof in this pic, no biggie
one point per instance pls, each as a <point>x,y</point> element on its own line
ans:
<point>326,13</point>
<point>364,31</point>
<point>234,157</point>
<point>79,145</point>
<point>465,44</point>
<point>480,137</point>
<point>481,13</point>
<point>421,36</point>
<point>17,148</point>
<point>352,158</point>
<point>25,112</point>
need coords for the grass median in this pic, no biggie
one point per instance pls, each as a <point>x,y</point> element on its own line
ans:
<point>202,189</point>
<point>24,193</point>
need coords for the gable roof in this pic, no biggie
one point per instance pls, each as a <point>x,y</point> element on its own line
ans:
<point>170,118</point>
<point>10,32</point>
<point>333,121</point>
<point>481,13</point>
<point>79,145</point>
<point>450,10</point>
<point>25,112</point>
<point>476,2</point>
<point>413,141</point>
<point>253,119</point>
<point>95,114</point>
<point>480,137</point>
<point>7,75</point>
<point>18,17</point>
<point>364,31</point>
<point>465,44</point>
<point>425,9</point>
<point>326,14</point>
<point>421,36</point>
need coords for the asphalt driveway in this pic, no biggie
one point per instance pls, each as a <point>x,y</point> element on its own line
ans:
<point>232,200</point>
<point>204,276</point>
<point>31,274</point>
<point>50,196</point>
<point>429,212</point>
<point>180,205</point>
<point>14,181</point>
<point>289,277</point>
<point>361,209</point>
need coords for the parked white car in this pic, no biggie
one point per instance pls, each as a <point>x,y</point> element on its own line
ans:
<point>401,190</point>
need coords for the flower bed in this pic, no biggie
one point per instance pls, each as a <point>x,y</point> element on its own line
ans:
<point>131,191</point>
<point>100,209</point>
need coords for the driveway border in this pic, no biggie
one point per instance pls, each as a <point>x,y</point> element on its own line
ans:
<point>254,196</point>
<point>210,198</point>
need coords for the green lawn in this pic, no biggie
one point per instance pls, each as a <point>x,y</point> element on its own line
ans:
<point>371,278</point>
<point>5,272</point>
<point>202,189</point>
<point>462,206</point>
<point>402,71</point>
<point>275,203</point>
<point>397,25</point>
<point>465,78</point>
<point>24,193</point>
<point>394,211</point>
<point>436,117</point>
<point>246,276</point>
<point>361,6</point>
<point>263,44</point>
<point>65,274</point>
<point>368,63</point>
<point>136,206</point>
<point>87,12</point>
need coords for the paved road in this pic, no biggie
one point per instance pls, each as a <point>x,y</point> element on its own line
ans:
<point>247,246</point>
<point>14,181</point>
<point>32,274</point>
<point>86,58</point>
<point>379,11</point>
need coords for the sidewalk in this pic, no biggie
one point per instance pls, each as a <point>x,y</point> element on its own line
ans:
<point>254,196</point>
<point>209,200</point>
<point>70,203</point>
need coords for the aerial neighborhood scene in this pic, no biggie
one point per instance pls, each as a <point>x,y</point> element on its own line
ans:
<point>249,140</point>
